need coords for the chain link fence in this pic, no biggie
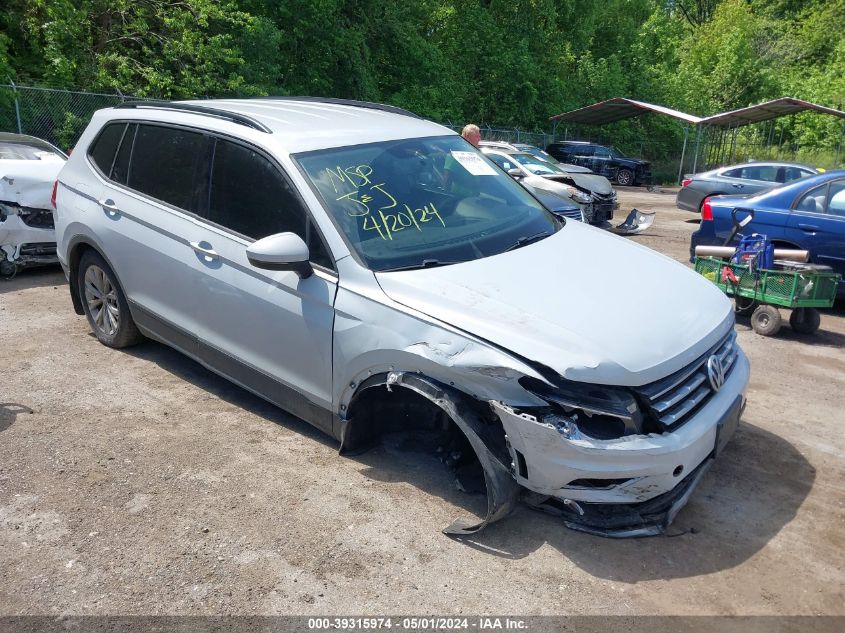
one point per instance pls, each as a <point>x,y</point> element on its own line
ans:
<point>538,138</point>
<point>60,116</point>
<point>57,116</point>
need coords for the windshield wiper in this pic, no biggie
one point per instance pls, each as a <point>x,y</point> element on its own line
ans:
<point>527,239</point>
<point>426,263</point>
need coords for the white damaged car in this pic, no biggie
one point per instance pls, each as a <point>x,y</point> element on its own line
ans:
<point>371,272</point>
<point>28,171</point>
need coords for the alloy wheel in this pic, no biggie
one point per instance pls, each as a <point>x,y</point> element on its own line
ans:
<point>101,297</point>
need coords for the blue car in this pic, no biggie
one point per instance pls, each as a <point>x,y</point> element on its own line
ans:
<point>807,214</point>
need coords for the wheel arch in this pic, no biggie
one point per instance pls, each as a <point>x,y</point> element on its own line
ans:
<point>77,246</point>
<point>480,428</point>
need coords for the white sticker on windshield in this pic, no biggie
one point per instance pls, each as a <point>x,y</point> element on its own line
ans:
<point>473,163</point>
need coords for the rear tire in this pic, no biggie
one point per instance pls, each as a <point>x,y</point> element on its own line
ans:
<point>105,304</point>
<point>805,320</point>
<point>625,177</point>
<point>766,320</point>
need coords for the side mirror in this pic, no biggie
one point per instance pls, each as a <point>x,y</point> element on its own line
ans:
<point>515,173</point>
<point>282,251</point>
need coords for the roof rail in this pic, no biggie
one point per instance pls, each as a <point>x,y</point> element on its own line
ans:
<point>350,102</point>
<point>234,117</point>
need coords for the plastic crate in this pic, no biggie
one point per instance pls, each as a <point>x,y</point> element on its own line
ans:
<point>790,289</point>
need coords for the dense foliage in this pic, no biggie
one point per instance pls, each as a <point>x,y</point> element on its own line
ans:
<point>513,62</point>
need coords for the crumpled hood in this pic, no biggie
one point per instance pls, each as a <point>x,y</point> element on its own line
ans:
<point>592,306</point>
<point>569,168</point>
<point>588,182</point>
<point>29,183</point>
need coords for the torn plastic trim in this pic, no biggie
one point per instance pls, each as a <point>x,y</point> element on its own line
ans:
<point>649,518</point>
<point>502,490</point>
<point>636,222</point>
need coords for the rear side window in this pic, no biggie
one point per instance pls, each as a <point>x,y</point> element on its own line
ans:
<point>249,195</point>
<point>167,164</point>
<point>104,147</point>
<point>765,173</point>
<point>120,167</point>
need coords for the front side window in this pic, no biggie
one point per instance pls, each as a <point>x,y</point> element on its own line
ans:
<point>249,196</point>
<point>813,201</point>
<point>836,198</point>
<point>398,206</point>
<point>168,164</point>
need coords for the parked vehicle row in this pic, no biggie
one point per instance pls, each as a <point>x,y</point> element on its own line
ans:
<point>370,271</point>
<point>603,160</point>
<point>747,178</point>
<point>592,193</point>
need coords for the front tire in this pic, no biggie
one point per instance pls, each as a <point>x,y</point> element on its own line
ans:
<point>766,320</point>
<point>105,304</point>
<point>625,177</point>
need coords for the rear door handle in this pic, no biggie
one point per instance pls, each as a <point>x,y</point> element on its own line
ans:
<point>209,253</point>
<point>808,228</point>
<point>737,186</point>
<point>109,206</point>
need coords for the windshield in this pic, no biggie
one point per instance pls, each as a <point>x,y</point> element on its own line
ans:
<point>616,153</point>
<point>535,165</point>
<point>422,202</point>
<point>538,153</point>
<point>13,150</point>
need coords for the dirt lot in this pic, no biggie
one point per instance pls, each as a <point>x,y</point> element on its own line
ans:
<point>137,482</point>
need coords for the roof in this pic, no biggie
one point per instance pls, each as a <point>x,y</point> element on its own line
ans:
<point>765,111</point>
<point>302,124</point>
<point>618,109</point>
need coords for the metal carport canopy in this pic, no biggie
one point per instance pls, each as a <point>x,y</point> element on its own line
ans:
<point>618,109</point>
<point>766,111</point>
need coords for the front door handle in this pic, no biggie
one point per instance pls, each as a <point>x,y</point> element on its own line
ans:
<point>207,252</point>
<point>808,228</point>
<point>737,186</point>
<point>109,206</point>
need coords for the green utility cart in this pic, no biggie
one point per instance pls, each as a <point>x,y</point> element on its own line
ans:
<point>758,293</point>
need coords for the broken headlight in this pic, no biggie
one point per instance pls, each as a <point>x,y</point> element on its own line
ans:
<point>595,411</point>
<point>579,196</point>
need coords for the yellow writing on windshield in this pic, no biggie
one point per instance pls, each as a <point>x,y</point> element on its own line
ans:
<point>355,175</point>
<point>387,224</point>
<point>371,201</point>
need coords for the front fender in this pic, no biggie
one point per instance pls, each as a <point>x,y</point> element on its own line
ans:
<point>374,337</point>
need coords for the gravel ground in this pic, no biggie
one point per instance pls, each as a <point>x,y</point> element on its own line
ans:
<point>137,482</point>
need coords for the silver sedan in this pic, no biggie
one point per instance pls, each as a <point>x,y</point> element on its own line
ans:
<point>746,178</point>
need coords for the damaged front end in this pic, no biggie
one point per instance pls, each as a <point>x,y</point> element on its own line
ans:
<point>622,462</point>
<point>27,235</point>
<point>27,238</point>
<point>605,460</point>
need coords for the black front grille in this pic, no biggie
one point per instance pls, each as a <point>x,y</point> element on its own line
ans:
<point>571,214</point>
<point>672,400</point>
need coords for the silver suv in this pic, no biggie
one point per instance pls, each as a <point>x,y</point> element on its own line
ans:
<point>372,272</point>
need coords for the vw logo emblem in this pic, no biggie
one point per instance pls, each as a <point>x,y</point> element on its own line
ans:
<point>715,372</point>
